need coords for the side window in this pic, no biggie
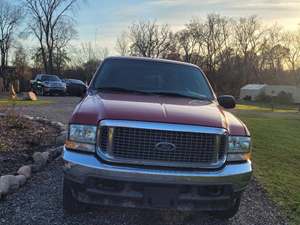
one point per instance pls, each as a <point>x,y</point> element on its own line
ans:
<point>39,77</point>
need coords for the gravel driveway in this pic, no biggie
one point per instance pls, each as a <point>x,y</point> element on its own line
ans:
<point>40,201</point>
<point>59,110</point>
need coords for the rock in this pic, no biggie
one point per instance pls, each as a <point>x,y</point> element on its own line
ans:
<point>4,185</point>
<point>60,125</point>
<point>40,158</point>
<point>45,155</point>
<point>28,117</point>
<point>26,171</point>
<point>8,183</point>
<point>21,179</point>
<point>32,96</point>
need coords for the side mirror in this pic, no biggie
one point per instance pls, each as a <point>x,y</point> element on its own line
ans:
<point>227,101</point>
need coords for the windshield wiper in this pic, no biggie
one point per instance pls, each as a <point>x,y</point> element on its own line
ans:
<point>120,89</point>
<point>198,97</point>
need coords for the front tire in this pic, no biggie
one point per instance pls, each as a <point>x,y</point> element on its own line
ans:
<point>229,213</point>
<point>70,204</point>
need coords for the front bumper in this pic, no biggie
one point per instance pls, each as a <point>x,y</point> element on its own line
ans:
<point>211,190</point>
<point>55,89</point>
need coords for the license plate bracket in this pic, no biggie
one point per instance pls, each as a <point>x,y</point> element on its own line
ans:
<point>161,197</point>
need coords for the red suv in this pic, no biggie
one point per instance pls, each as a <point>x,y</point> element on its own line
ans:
<point>151,133</point>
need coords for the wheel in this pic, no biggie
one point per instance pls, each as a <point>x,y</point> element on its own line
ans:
<point>70,204</point>
<point>227,214</point>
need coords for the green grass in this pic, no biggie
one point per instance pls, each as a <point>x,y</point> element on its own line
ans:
<point>276,155</point>
<point>267,108</point>
<point>8,102</point>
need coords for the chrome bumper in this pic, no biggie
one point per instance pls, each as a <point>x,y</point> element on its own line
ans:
<point>79,167</point>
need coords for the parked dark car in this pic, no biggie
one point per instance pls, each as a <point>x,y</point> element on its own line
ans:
<point>44,84</point>
<point>75,87</point>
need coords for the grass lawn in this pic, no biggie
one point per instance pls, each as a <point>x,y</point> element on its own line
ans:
<point>276,154</point>
<point>267,108</point>
<point>9,102</point>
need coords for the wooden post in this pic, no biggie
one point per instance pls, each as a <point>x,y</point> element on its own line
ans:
<point>12,92</point>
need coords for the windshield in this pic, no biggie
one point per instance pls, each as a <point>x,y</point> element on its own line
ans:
<point>152,77</point>
<point>75,81</point>
<point>50,78</point>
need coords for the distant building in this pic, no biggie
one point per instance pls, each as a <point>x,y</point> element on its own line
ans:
<point>252,91</point>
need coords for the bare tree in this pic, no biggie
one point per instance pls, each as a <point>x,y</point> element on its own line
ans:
<point>122,45</point>
<point>148,39</point>
<point>64,33</point>
<point>89,52</point>
<point>10,17</point>
<point>216,35</point>
<point>292,43</point>
<point>20,60</point>
<point>46,16</point>
<point>248,35</point>
<point>273,52</point>
<point>187,44</point>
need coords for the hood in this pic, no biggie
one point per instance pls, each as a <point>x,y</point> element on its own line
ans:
<point>153,108</point>
<point>54,83</point>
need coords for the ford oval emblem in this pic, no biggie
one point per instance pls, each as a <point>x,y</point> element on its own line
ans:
<point>165,147</point>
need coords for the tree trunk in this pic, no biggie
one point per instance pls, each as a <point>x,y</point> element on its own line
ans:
<point>45,61</point>
<point>50,61</point>
<point>3,59</point>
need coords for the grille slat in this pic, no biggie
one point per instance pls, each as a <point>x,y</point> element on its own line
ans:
<point>140,144</point>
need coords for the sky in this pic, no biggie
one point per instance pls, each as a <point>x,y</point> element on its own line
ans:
<point>103,20</point>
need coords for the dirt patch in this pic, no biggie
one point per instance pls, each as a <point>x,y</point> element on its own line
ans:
<point>19,138</point>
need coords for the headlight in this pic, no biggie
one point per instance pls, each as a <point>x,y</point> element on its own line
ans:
<point>82,137</point>
<point>239,148</point>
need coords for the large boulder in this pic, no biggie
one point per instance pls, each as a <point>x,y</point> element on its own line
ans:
<point>31,96</point>
<point>8,183</point>
<point>25,171</point>
<point>21,179</point>
<point>27,96</point>
<point>4,185</point>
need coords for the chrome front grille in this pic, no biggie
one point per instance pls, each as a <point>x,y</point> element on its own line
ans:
<point>140,144</point>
